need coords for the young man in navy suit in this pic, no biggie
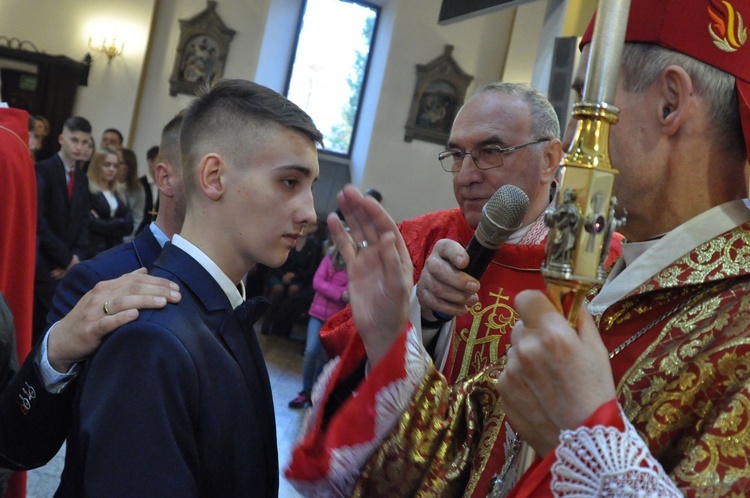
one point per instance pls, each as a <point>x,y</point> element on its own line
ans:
<point>146,246</point>
<point>35,406</point>
<point>178,403</point>
<point>62,215</point>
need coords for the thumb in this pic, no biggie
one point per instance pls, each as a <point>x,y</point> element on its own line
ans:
<point>587,329</point>
<point>452,252</point>
<point>532,305</point>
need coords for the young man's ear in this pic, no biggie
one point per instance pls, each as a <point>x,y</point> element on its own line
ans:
<point>210,170</point>
<point>163,178</point>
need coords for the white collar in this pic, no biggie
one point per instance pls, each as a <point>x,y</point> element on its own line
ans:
<point>229,288</point>
<point>68,167</point>
<point>159,234</point>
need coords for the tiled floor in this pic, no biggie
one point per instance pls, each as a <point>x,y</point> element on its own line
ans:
<point>284,361</point>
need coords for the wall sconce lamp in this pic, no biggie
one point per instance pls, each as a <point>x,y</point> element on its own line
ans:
<point>111,49</point>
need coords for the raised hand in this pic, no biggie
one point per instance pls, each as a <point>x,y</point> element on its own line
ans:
<point>379,274</point>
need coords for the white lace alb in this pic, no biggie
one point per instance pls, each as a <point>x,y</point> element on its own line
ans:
<point>605,462</point>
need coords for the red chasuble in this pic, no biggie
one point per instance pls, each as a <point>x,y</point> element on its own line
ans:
<point>17,237</point>
<point>449,442</point>
<point>481,336</point>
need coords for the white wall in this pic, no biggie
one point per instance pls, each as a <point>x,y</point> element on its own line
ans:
<point>500,44</point>
<point>157,106</point>
<point>408,173</point>
<point>62,27</point>
<point>524,43</point>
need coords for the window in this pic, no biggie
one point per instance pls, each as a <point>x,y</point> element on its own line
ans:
<point>329,66</point>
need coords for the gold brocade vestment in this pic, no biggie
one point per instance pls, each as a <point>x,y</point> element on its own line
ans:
<point>684,385</point>
<point>339,441</point>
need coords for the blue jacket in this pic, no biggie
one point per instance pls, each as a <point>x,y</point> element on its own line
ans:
<point>34,422</point>
<point>141,252</point>
<point>177,403</point>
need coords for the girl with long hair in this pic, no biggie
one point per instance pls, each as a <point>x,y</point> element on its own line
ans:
<point>111,218</point>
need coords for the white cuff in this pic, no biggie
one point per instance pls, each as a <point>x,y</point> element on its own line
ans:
<point>603,461</point>
<point>445,330</point>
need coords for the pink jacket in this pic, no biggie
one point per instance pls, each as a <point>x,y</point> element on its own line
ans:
<point>329,285</point>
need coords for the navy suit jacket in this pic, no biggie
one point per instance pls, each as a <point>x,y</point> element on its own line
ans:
<point>34,422</point>
<point>107,231</point>
<point>177,403</point>
<point>124,258</point>
<point>62,224</point>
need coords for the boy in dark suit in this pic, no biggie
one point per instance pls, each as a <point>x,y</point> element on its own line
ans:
<point>62,215</point>
<point>178,402</point>
<point>87,305</point>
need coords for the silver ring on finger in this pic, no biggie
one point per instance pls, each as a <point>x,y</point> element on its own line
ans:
<point>361,245</point>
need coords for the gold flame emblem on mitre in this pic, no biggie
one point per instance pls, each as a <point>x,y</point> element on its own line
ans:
<point>727,27</point>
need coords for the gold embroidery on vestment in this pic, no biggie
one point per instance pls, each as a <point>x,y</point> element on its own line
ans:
<point>498,320</point>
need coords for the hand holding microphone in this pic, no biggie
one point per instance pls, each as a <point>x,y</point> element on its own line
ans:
<point>501,217</point>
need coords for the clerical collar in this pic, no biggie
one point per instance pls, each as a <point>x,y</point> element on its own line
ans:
<point>632,250</point>
<point>660,254</point>
<point>518,235</point>
<point>230,289</point>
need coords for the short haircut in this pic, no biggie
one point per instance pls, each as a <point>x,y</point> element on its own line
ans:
<point>131,176</point>
<point>77,123</point>
<point>169,149</point>
<point>643,63</point>
<point>116,132</point>
<point>212,120</point>
<point>544,121</point>
<point>152,153</point>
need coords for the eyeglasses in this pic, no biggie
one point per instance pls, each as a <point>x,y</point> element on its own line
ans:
<point>484,157</point>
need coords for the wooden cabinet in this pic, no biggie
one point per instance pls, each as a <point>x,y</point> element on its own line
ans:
<point>41,83</point>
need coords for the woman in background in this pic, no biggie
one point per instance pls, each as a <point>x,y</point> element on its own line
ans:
<point>331,295</point>
<point>42,148</point>
<point>127,176</point>
<point>111,219</point>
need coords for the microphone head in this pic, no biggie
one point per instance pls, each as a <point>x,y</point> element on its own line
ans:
<point>501,216</point>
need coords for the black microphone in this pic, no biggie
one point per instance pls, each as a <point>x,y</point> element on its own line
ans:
<point>501,217</point>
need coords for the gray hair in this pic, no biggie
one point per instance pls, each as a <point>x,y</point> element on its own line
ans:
<point>642,63</point>
<point>544,122</point>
